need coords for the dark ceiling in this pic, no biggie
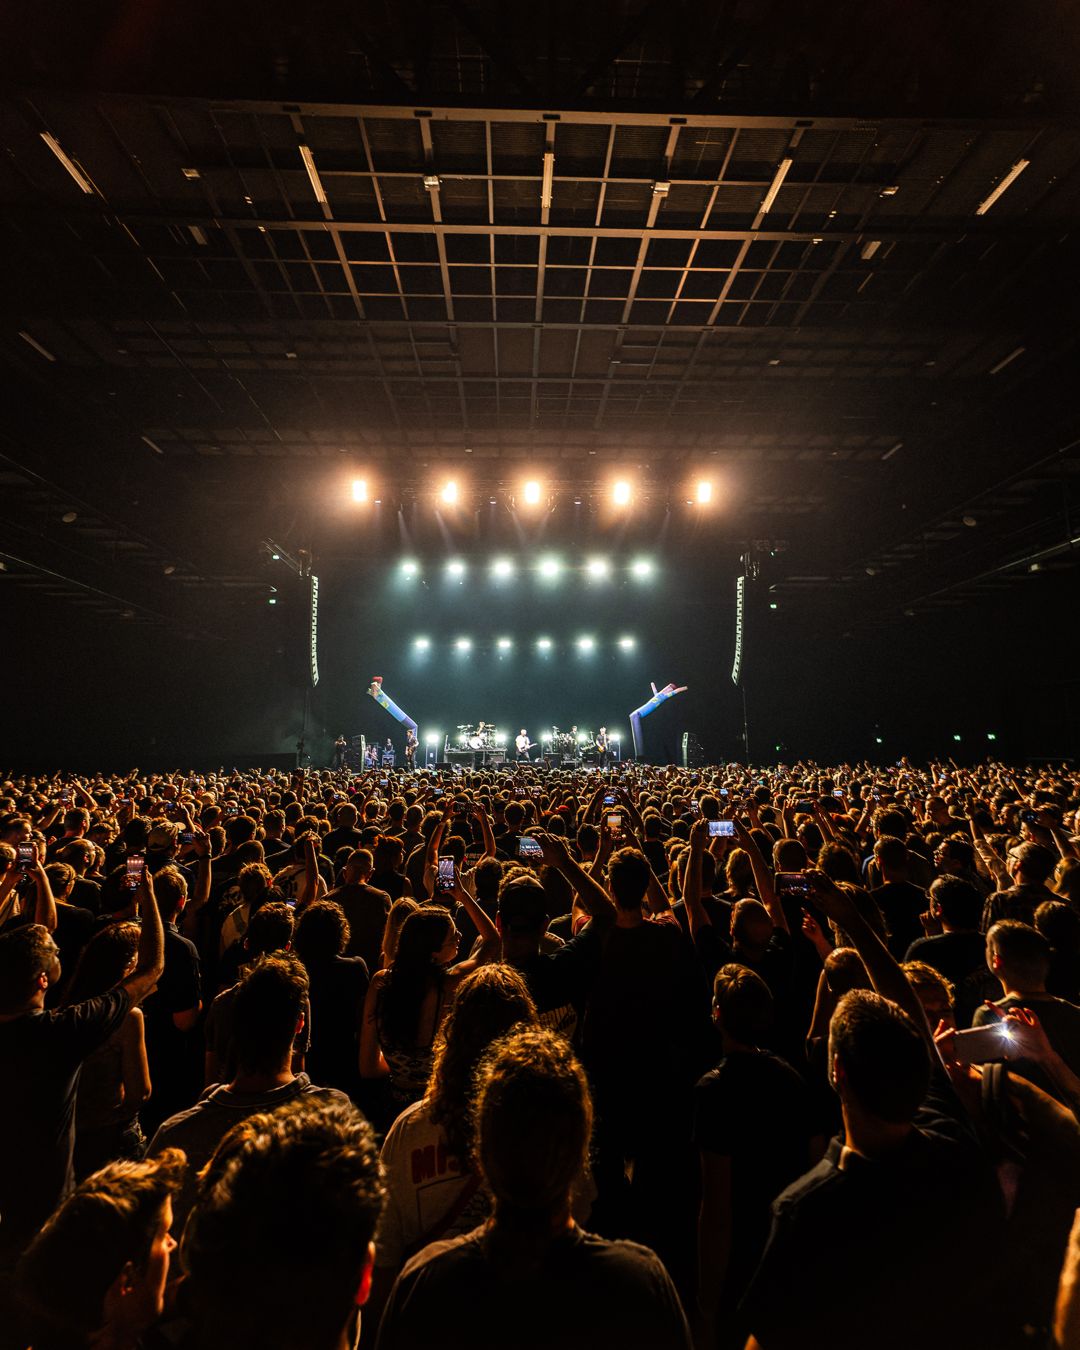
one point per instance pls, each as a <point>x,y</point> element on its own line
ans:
<point>197,353</point>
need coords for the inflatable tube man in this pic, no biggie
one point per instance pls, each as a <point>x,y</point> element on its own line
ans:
<point>375,689</point>
<point>658,696</point>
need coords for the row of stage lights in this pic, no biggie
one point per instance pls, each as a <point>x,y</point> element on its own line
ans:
<point>433,739</point>
<point>585,644</point>
<point>549,568</point>
<point>533,494</point>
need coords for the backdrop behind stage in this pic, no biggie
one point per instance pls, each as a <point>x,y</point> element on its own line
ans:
<point>572,650</point>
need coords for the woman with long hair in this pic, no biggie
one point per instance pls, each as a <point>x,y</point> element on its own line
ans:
<point>115,1078</point>
<point>406,1002</point>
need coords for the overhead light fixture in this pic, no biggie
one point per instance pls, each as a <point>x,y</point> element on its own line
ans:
<point>704,492</point>
<point>642,569</point>
<point>432,182</point>
<point>455,569</point>
<point>504,644</point>
<point>869,249</point>
<point>410,568</point>
<point>531,493</point>
<point>70,517</point>
<point>313,175</point>
<point>547,180</point>
<point>502,568</point>
<point>1006,360</point>
<point>892,451</point>
<point>661,189</point>
<point>192,175</point>
<point>586,644</point>
<point>890,191</point>
<point>199,235</point>
<point>598,569</point>
<point>550,568</point>
<point>450,493</point>
<point>33,342</point>
<point>169,569</point>
<point>68,163</point>
<point>153,445</point>
<point>621,493</point>
<point>543,644</point>
<point>1006,183</point>
<point>774,187</point>
<point>359,490</point>
<point>463,644</point>
<point>627,644</point>
<point>422,644</point>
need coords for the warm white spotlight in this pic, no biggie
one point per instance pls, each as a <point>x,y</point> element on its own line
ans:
<point>586,644</point>
<point>432,737</point>
<point>549,568</point>
<point>463,644</point>
<point>627,644</point>
<point>704,491</point>
<point>409,569</point>
<point>598,568</point>
<point>543,644</point>
<point>450,492</point>
<point>504,644</point>
<point>502,568</point>
<point>422,644</point>
<point>531,492</point>
<point>359,490</point>
<point>621,493</point>
<point>642,569</point>
<point>455,569</point>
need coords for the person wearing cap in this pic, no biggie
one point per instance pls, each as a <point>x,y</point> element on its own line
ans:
<point>558,981</point>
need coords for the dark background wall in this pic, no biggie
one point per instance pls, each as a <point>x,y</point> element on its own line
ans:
<point>79,694</point>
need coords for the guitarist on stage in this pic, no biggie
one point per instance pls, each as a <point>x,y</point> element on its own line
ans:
<point>602,746</point>
<point>523,744</point>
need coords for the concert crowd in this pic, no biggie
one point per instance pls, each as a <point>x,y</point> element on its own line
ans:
<point>654,1057</point>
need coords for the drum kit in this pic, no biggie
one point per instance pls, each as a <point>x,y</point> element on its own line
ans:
<point>568,744</point>
<point>481,737</point>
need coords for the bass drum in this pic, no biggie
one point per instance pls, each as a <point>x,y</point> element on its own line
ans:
<point>475,742</point>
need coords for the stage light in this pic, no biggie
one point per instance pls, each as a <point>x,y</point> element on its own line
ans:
<point>586,644</point>
<point>773,604</point>
<point>956,736</point>
<point>531,493</point>
<point>627,644</point>
<point>582,739</point>
<point>877,740</point>
<point>704,492</point>
<point>642,569</point>
<point>359,490</point>
<point>621,493</point>
<point>410,569</point>
<point>432,738</point>
<point>502,568</point>
<point>598,569</point>
<point>463,645</point>
<point>549,568</point>
<point>615,737</point>
<point>455,569</point>
<point>543,644</point>
<point>504,644</point>
<point>422,644</point>
<point>450,492</point>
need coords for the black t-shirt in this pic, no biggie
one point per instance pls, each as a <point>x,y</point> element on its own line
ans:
<point>901,904</point>
<point>885,1228</point>
<point>41,1054</point>
<point>560,981</point>
<point>174,1055</point>
<point>584,1292</point>
<point>366,909</point>
<point>86,894</point>
<point>336,999</point>
<point>754,1109</point>
<point>345,836</point>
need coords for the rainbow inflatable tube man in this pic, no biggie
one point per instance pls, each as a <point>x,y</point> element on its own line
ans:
<point>375,689</point>
<point>658,696</point>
